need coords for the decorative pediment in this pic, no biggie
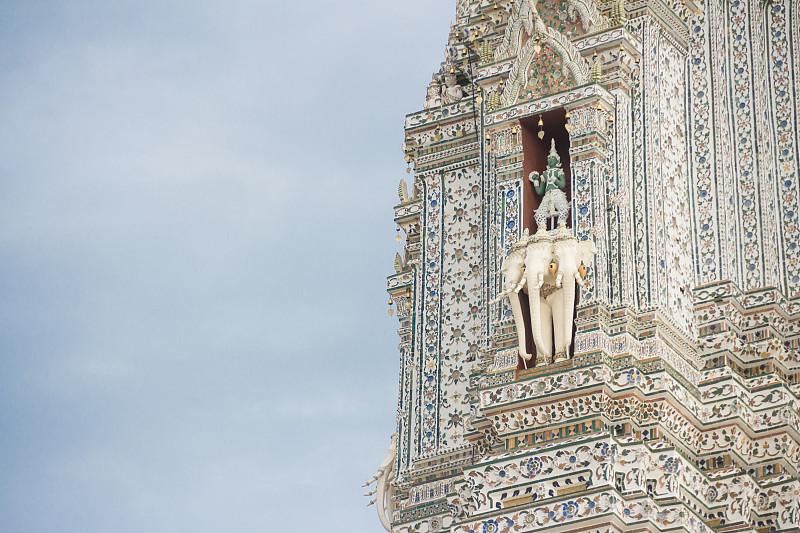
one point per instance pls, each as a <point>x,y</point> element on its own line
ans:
<point>571,18</point>
<point>546,75</point>
<point>535,32</point>
<point>573,65</point>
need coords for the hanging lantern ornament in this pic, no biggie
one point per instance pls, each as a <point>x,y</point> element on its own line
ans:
<point>541,128</point>
<point>408,304</point>
<point>537,47</point>
<point>567,125</point>
<point>397,237</point>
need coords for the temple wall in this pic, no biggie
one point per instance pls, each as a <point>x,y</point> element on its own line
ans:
<point>744,144</point>
<point>448,267</point>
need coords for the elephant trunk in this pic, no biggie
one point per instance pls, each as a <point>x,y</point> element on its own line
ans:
<point>536,316</point>
<point>542,351</point>
<point>568,316</point>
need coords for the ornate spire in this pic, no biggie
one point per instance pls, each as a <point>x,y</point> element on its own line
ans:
<point>487,54</point>
<point>618,15</point>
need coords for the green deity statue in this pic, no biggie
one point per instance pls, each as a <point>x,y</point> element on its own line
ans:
<point>550,183</point>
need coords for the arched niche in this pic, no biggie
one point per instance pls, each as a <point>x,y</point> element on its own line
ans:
<point>535,150</point>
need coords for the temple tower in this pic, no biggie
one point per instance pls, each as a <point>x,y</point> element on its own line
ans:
<point>599,287</point>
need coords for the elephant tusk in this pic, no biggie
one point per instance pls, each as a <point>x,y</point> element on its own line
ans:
<point>520,285</point>
<point>499,298</point>
<point>558,279</point>
<point>581,282</point>
<point>541,280</point>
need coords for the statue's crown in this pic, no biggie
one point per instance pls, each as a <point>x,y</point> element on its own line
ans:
<point>553,152</point>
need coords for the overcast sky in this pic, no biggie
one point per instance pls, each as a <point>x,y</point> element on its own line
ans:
<point>195,231</point>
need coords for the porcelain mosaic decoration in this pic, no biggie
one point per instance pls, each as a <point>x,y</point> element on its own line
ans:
<point>599,287</point>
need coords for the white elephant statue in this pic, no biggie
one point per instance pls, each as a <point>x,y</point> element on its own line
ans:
<point>384,478</point>
<point>553,263</point>
<point>513,273</point>
<point>572,256</point>
<point>538,257</point>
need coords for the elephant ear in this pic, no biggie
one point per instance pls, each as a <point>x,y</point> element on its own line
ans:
<point>588,250</point>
